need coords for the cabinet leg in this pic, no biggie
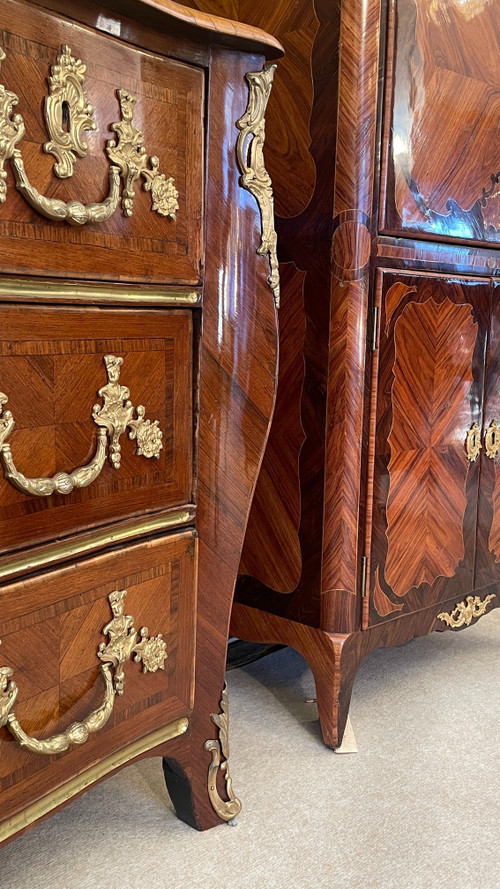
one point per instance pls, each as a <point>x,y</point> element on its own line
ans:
<point>334,679</point>
<point>203,795</point>
<point>333,660</point>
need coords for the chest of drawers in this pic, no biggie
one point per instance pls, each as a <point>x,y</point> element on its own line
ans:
<point>137,378</point>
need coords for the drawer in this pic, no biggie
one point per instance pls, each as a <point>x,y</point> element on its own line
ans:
<point>167,121</point>
<point>53,628</point>
<point>57,367</point>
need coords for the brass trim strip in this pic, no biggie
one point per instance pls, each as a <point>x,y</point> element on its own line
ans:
<point>95,540</point>
<point>90,776</point>
<point>52,291</point>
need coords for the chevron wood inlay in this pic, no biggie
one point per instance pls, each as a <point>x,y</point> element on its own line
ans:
<point>428,467</point>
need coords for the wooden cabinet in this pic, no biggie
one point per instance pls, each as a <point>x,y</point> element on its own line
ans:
<point>376,515</point>
<point>138,347</point>
<point>426,417</point>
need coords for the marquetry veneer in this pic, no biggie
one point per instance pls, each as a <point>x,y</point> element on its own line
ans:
<point>377,510</point>
<point>138,347</point>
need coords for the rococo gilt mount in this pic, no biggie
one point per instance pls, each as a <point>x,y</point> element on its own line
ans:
<point>67,116</point>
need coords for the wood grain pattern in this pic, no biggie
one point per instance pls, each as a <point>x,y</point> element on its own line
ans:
<point>488,535</point>
<point>231,399</point>
<point>270,527</point>
<point>381,602</point>
<point>355,164</point>
<point>238,380</point>
<point>50,630</point>
<point>288,136</point>
<point>444,59</point>
<point>334,659</point>
<point>434,347</point>
<point>308,91</point>
<point>51,368</point>
<point>202,25</point>
<point>169,111</point>
<point>440,94</point>
<point>429,392</point>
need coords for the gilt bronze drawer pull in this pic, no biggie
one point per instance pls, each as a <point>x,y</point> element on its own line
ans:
<point>66,105</point>
<point>124,643</point>
<point>73,212</point>
<point>113,418</point>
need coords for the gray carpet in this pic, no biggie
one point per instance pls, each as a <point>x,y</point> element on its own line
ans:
<point>416,808</point>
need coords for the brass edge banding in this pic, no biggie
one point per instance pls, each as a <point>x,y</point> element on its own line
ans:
<point>119,293</point>
<point>81,782</point>
<point>67,550</point>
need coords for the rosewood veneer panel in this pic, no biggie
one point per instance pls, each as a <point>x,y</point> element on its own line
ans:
<point>51,368</point>
<point>429,390</point>
<point>51,629</point>
<point>169,111</point>
<point>442,165</point>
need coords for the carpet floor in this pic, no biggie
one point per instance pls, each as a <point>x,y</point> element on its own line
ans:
<point>418,807</point>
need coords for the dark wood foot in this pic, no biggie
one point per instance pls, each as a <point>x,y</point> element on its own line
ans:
<point>197,773</point>
<point>180,791</point>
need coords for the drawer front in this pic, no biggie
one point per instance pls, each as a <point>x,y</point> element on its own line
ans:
<point>52,630</point>
<point>136,242</point>
<point>57,367</point>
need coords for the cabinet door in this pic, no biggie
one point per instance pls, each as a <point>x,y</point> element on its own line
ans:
<point>427,391</point>
<point>488,531</point>
<point>442,160</point>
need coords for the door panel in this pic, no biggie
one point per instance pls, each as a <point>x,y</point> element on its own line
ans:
<point>442,161</point>
<point>429,392</point>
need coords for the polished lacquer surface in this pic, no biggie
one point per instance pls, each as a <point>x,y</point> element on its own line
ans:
<point>397,107</point>
<point>135,405</point>
<point>169,112</point>
<point>445,105</point>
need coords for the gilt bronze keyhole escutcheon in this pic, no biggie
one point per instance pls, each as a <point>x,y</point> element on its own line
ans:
<point>473,444</point>
<point>492,440</point>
